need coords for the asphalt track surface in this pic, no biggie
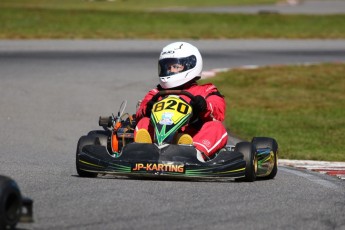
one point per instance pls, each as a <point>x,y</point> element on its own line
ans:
<point>52,92</point>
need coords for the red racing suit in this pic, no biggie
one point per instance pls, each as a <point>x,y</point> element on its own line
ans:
<point>209,135</point>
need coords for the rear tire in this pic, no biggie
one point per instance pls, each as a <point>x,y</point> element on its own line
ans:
<point>267,142</point>
<point>250,156</point>
<point>83,141</point>
<point>10,203</point>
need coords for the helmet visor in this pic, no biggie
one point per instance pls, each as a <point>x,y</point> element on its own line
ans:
<point>171,66</point>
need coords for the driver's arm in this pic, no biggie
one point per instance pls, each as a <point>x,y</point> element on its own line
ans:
<point>216,108</point>
<point>141,112</point>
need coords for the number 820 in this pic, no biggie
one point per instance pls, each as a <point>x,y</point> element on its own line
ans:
<point>171,105</point>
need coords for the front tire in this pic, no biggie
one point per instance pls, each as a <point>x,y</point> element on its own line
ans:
<point>83,141</point>
<point>100,137</point>
<point>250,156</point>
<point>267,142</point>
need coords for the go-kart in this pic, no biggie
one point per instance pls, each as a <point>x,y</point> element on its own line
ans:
<point>113,150</point>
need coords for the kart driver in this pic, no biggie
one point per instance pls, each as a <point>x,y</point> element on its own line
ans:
<point>179,68</point>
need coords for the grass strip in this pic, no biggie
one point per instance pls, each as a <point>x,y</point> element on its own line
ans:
<point>303,107</point>
<point>125,5</point>
<point>92,24</point>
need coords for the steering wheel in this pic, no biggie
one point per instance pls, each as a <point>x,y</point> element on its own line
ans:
<point>172,92</point>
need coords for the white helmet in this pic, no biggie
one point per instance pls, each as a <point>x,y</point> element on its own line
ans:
<point>180,54</point>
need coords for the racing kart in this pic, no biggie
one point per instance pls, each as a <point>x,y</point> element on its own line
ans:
<point>113,150</point>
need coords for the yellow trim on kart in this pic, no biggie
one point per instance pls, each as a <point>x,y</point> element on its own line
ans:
<point>87,163</point>
<point>236,170</point>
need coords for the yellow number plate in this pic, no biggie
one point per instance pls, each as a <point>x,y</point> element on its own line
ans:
<point>170,110</point>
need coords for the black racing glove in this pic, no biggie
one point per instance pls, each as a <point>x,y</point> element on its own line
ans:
<point>198,104</point>
<point>149,106</point>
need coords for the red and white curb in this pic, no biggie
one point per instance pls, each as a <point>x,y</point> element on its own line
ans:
<point>325,167</point>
